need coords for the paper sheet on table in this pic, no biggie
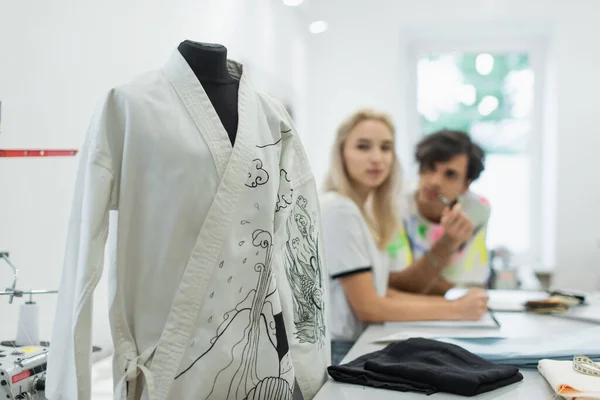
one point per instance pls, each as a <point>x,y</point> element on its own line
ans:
<point>503,300</point>
<point>587,313</point>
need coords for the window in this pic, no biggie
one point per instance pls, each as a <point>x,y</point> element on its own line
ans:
<point>491,95</point>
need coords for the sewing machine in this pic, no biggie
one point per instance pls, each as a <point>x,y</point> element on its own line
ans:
<point>23,371</point>
<point>23,362</point>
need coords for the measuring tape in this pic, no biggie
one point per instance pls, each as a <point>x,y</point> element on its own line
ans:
<point>584,365</point>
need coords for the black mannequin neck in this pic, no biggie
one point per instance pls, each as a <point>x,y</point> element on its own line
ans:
<point>207,60</point>
<point>209,64</point>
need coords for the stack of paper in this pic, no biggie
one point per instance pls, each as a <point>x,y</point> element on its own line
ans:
<point>589,312</point>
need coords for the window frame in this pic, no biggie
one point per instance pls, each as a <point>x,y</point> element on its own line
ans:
<point>419,45</point>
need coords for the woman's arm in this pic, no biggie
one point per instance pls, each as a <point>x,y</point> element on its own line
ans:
<point>399,306</point>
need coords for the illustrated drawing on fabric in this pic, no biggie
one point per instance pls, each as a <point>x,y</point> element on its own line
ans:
<point>271,144</point>
<point>275,143</point>
<point>257,175</point>
<point>286,193</point>
<point>257,330</point>
<point>303,268</point>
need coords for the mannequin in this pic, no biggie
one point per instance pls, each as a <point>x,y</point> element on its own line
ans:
<point>196,301</point>
<point>209,63</point>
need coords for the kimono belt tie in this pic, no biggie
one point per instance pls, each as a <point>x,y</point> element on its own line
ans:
<point>136,364</point>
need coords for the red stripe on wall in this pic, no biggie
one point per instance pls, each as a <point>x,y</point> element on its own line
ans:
<point>37,153</point>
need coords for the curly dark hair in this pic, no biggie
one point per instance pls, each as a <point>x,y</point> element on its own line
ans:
<point>443,145</point>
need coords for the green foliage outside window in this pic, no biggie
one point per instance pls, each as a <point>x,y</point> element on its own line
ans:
<point>502,130</point>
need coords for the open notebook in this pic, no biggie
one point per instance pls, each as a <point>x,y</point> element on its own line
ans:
<point>486,327</point>
<point>488,321</point>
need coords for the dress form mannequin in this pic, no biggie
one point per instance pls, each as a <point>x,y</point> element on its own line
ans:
<point>209,63</point>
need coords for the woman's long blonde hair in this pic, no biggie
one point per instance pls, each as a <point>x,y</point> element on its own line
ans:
<point>380,212</point>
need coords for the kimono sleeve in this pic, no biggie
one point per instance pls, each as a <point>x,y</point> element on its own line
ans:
<point>69,360</point>
<point>301,278</point>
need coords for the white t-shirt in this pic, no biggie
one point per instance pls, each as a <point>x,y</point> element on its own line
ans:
<point>349,248</point>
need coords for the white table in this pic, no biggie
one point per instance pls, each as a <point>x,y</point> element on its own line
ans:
<point>533,386</point>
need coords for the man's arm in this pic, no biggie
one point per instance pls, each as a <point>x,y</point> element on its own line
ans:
<point>423,275</point>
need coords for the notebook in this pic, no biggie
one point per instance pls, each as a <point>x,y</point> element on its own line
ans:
<point>503,300</point>
<point>486,327</point>
<point>487,321</point>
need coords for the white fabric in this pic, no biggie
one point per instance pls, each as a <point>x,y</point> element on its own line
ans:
<point>567,382</point>
<point>216,287</point>
<point>349,246</point>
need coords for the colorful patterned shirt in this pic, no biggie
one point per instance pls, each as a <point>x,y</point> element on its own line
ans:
<point>469,265</point>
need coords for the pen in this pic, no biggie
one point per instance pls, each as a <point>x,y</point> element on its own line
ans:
<point>447,202</point>
<point>451,204</point>
<point>493,317</point>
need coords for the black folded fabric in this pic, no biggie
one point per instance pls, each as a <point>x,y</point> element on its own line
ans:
<point>426,366</point>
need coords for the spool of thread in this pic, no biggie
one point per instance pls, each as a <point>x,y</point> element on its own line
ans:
<point>28,328</point>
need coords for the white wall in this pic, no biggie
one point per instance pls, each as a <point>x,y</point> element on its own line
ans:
<point>57,58</point>
<point>361,60</point>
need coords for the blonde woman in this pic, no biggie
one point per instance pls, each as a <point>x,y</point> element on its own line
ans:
<point>359,220</point>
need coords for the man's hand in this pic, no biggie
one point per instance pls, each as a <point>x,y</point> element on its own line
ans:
<point>458,227</point>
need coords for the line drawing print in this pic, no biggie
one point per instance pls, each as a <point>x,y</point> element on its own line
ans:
<point>303,268</point>
<point>257,175</point>
<point>286,193</point>
<point>258,330</point>
<point>268,145</point>
<point>276,143</point>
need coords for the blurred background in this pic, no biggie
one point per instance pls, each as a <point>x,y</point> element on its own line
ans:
<point>521,76</point>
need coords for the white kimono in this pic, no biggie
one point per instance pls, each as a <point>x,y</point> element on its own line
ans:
<point>217,289</point>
